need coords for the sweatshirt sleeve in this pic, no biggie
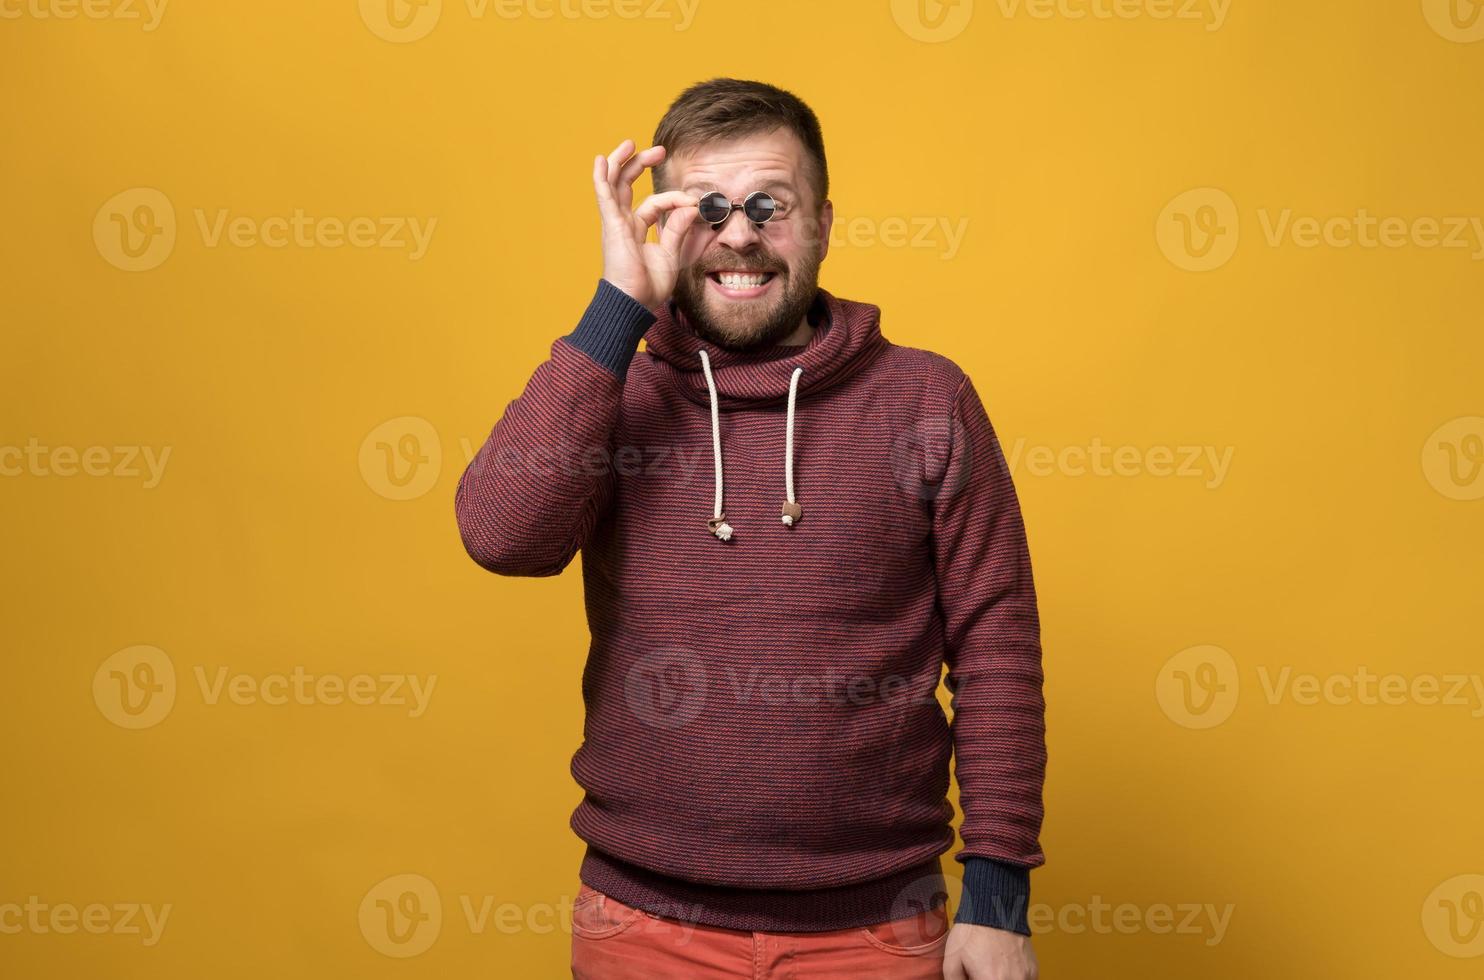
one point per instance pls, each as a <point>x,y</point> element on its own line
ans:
<point>533,493</point>
<point>995,677</point>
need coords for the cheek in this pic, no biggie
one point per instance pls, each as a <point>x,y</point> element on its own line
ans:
<point>795,241</point>
<point>695,245</point>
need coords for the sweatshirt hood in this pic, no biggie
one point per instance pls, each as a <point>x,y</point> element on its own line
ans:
<point>847,337</point>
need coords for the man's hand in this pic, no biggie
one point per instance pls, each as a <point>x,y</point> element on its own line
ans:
<point>645,270</point>
<point>984,953</point>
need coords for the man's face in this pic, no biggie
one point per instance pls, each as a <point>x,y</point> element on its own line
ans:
<point>786,252</point>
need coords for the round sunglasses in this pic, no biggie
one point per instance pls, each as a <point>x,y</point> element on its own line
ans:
<point>759,206</point>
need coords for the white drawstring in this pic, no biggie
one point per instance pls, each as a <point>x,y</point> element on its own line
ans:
<point>791,509</point>
<point>718,524</point>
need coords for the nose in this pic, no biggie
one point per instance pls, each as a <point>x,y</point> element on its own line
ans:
<point>738,233</point>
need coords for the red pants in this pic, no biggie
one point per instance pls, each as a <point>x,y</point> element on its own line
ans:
<point>612,941</point>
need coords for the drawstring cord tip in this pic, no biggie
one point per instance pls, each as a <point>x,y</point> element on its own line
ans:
<point>791,513</point>
<point>720,527</point>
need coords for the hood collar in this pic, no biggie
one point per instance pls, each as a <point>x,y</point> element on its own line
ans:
<point>847,337</point>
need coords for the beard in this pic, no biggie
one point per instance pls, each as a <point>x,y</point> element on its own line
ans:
<point>747,325</point>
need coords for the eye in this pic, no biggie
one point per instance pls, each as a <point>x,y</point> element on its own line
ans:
<point>714,207</point>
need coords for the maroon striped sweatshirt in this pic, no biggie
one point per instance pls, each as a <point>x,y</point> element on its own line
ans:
<point>763,747</point>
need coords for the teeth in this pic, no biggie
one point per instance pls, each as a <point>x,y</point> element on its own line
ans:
<point>734,280</point>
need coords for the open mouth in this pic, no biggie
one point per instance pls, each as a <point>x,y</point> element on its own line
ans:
<point>741,285</point>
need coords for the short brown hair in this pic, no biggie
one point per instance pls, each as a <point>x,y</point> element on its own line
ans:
<point>729,108</point>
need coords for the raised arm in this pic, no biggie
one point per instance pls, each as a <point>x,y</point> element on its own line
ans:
<point>533,493</point>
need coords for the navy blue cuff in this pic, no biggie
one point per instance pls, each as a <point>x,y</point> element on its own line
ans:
<point>611,327</point>
<point>995,894</point>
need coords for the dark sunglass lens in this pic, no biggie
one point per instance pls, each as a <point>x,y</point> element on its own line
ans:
<point>715,207</point>
<point>760,207</point>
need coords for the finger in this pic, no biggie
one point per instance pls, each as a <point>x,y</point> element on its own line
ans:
<point>616,161</point>
<point>620,156</point>
<point>649,211</point>
<point>677,224</point>
<point>608,207</point>
<point>637,164</point>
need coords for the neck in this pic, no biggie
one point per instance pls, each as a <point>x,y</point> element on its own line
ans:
<point>798,337</point>
<point>801,335</point>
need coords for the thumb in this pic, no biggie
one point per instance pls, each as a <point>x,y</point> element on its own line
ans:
<point>678,224</point>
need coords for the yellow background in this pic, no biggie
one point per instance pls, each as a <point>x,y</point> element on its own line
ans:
<point>1330,544</point>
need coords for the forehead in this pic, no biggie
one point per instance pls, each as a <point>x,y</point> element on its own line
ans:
<point>777,158</point>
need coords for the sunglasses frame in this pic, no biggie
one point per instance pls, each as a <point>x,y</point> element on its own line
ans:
<point>778,207</point>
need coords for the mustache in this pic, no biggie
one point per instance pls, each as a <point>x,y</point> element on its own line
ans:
<point>744,263</point>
